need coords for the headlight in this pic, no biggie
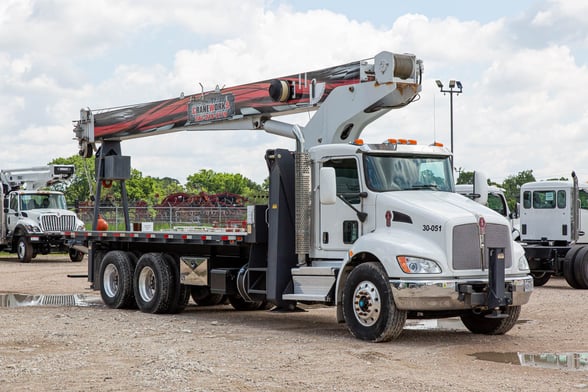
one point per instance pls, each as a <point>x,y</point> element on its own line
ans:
<point>417,265</point>
<point>523,263</point>
<point>80,226</point>
<point>33,229</point>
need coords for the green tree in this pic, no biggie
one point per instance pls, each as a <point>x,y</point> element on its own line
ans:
<point>465,177</point>
<point>512,186</point>
<point>212,182</point>
<point>82,184</point>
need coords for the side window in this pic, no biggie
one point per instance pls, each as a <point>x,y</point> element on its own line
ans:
<point>583,199</point>
<point>561,199</point>
<point>495,202</point>
<point>347,178</point>
<point>526,199</point>
<point>14,202</point>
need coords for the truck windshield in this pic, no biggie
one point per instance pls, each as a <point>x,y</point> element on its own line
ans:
<point>397,173</point>
<point>42,200</point>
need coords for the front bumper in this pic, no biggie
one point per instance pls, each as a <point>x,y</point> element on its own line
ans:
<point>455,294</point>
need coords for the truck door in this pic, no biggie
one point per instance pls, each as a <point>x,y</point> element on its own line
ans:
<point>339,224</point>
<point>12,215</point>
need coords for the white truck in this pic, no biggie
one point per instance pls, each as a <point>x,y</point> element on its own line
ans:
<point>375,230</point>
<point>552,213</point>
<point>32,220</point>
<point>496,201</point>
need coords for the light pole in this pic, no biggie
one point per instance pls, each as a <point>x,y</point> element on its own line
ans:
<point>452,90</point>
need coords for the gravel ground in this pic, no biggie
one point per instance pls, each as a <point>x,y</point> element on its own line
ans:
<point>93,348</point>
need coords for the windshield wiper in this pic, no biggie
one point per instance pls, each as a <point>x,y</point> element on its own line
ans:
<point>434,187</point>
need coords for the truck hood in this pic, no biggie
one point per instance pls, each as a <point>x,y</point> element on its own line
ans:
<point>437,207</point>
<point>48,211</point>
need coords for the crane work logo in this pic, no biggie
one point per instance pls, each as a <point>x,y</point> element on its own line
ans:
<point>211,107</point>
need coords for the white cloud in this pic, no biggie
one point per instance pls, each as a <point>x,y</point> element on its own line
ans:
<point>522,77</point>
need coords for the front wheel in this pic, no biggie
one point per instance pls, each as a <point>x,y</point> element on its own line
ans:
<point>368,305</point>
<point>477,322</point>
<point>75,255</point>
<point>24,250</point>
<point>540,278</point>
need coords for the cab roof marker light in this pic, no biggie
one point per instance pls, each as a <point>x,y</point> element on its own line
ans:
<point>437,144</point>
<point>358,142</point>
<point>392,141</point>
<point>412,142</point>
<point>402,141</point>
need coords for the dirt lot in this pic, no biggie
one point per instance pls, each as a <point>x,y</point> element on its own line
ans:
<point>75,348</point>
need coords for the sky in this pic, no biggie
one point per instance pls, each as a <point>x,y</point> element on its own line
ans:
<point>523,66</point>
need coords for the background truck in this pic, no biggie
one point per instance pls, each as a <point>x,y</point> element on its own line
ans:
<point>375,230</point>
<point>552,213</point>
<point>497,202</point>
<point>33,220</point>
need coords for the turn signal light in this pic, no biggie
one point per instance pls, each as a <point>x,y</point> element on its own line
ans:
<point>411,142</point>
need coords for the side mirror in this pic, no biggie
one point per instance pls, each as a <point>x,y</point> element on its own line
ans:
<point>328,186</point>
<point>480,188</point>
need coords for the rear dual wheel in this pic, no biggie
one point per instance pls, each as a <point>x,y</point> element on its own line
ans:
<point>153,284</point>
<point>116,279</point>
<point>575,267</point>
<point>157,284</point>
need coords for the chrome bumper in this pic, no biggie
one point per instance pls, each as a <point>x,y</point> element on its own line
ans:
<point>455,294</point>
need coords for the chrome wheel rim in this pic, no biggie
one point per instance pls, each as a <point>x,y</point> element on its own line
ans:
<point>366,303</point>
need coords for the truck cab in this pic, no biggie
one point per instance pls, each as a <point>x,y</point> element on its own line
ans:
<point>552,214</point>
<point>548,212</point>
<point>497,202</point>
<point>395,204</point>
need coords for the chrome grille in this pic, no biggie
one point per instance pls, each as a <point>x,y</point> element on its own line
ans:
<point>466,245</point>
<point>58,223</point>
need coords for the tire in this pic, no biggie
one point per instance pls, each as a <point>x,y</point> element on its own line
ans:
<point>181,292</point>
<point>75,255</point>
<point>479,324</point>
<point>116,280</point>
<point>239,303</point>
<point>568,266</point>
<point>581,268</point>
<point>540,278</point>
<point>153,284</point>
<point>368,305</point>
<point>24,250</point>
<point>202,296</point>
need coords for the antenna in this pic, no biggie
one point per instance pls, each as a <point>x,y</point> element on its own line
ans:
<point>434,120</point>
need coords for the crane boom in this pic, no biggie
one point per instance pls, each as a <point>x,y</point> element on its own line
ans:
<point>33,178</point>
<point>378,84</point>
